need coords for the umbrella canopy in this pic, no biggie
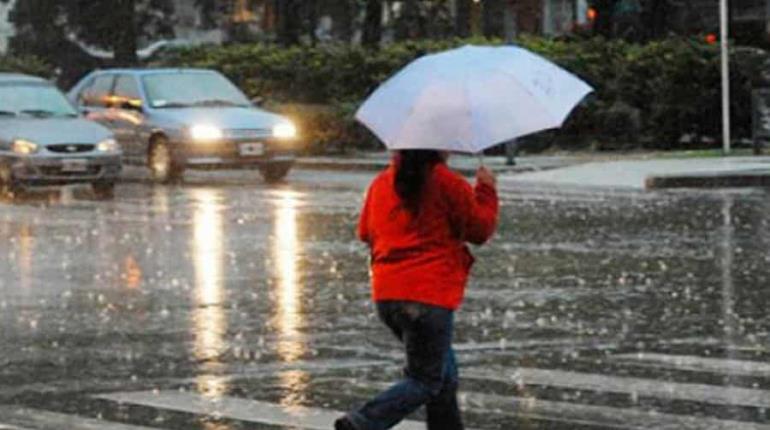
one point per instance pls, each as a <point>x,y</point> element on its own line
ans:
<point>471,98</point>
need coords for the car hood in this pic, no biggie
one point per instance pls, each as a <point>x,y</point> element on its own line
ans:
<point>51,131</point>
<point>222,117</point>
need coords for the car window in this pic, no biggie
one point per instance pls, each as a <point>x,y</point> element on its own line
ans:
<point>191,89</point>
<point>126,90</point>
<point>34,99</point>
<point>96,95</point>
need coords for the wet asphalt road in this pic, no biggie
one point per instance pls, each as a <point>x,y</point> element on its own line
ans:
<point>586,311</point>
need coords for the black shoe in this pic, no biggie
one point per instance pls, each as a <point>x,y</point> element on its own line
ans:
<point>344,424</point>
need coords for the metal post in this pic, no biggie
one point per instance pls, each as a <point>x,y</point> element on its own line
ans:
<point>725,75</point>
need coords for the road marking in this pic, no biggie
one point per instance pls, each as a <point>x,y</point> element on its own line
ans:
<point>575,413</point>
<point>603,416</point>
<point>696,363</point>
<point>239,372</point>
<point>239,409</point>
<point>11,427</point>
<point>711,394</point>
<point>46,420</point>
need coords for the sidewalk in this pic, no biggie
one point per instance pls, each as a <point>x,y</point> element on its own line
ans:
<point>642,175</point>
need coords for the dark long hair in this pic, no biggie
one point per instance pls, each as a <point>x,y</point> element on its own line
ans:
<point>412,169</point>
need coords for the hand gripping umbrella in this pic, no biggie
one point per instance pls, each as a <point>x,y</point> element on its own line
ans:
<point>471,98</point>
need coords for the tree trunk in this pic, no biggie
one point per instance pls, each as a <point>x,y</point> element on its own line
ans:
<point>288,21</point>
<point>311,18</point>
<point>410,24</point>
<point>372,24</point>
<point>125,43</point>
<point>463,18</point>
<point>654,18</point>
<point>347,23</point>
<point>494,18</point>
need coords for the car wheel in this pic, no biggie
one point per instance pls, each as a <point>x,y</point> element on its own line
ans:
<point>8,186</point>
<point>161,162</point>
<point>275,172</point>
<point>104,190</point>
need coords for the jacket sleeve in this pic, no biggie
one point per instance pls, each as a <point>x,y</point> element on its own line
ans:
<point>473,210</point>
<point>363,221</point>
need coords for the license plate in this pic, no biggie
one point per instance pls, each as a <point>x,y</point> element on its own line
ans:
<point>74,165</point>
<point>252,149</point>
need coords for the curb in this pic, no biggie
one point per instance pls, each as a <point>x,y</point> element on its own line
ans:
<point>730,180</point>
<point>355,165</point>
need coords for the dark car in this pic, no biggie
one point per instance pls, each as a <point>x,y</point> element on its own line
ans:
<point>43,140</point>
<point>175,119</point>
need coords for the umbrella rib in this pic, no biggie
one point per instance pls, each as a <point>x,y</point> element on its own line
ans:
<point>469,145</point>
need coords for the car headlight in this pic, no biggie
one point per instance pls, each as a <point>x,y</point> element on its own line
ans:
<point>204,132</point>
<point>285,130</point>
<point>24,147</point>
<point>107,145</point>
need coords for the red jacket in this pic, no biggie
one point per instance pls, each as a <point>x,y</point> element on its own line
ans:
<point>424,258</point>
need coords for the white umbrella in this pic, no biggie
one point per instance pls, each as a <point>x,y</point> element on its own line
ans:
<point>471,98</point>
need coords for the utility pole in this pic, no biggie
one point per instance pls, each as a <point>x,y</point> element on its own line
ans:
<point>724,14</point>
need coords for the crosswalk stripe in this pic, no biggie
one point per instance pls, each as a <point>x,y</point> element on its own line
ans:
<point>239,409</point>
<point>11,427</point>
<point>238,372</point>
<point>46,420</point>
<point>696,363</point>
<point>604,416</point>
<point>576,413</point>
<point>711,394</point>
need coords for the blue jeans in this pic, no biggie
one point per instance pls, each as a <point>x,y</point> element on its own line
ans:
<point>430,376</point>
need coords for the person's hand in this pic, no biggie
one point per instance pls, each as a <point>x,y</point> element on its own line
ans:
<point>486,177</point>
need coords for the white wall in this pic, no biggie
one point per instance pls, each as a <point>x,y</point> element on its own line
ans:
<point>6,28</point>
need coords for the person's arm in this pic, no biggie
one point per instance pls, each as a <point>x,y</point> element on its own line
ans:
<point>474,209</point>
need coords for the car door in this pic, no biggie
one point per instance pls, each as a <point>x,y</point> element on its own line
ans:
<point>93,100</point>
<point>128,117</point>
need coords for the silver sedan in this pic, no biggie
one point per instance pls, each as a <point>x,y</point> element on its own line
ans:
<point>44,142</point>
<point>175,119</point>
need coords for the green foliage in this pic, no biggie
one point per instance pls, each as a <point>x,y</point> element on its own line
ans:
<point>27,65</point>
<point>647,95</point>
<point>44,26</point>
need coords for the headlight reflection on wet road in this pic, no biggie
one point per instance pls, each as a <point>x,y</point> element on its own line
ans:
<point>209,319</point>
<point>26,247</point>
<point>288,318</point>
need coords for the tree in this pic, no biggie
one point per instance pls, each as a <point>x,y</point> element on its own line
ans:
<point>114,26</point>
<point>463,18</point>
<point>494,18</point>
<point>289,22</point>
<point>410,23</point>
<point>372,33</point>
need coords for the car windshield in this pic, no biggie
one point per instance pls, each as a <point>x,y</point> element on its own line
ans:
<point>167,90</point>
<point>33,99</point>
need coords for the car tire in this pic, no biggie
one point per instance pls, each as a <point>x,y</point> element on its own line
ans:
<point>163,169</point>
<point>273,173</point>
<point>104,190</point>
<point>8,186</point>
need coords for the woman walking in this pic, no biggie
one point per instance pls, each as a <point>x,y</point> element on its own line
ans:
<point>417,218</point>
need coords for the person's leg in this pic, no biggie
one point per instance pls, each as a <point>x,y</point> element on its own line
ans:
<point>426,333</point>
<point>443,410</point>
